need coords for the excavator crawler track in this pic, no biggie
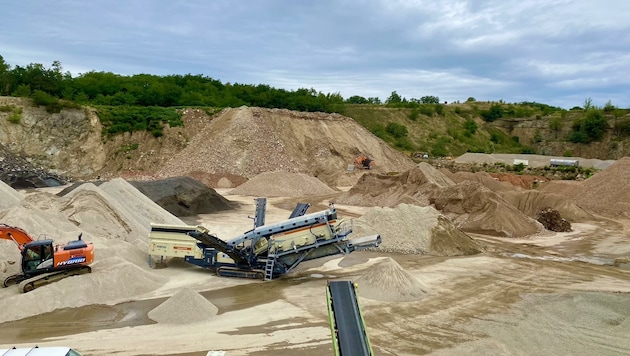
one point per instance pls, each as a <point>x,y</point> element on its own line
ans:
<point>29,284</point>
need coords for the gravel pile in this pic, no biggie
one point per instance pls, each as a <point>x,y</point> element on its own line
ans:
<point>412,229</point>
<point>387,281</point>
<point>185,306</point>
<point>282,184</point>
<point>607,192</point>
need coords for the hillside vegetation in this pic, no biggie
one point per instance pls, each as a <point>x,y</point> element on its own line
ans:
<point>417,127</point>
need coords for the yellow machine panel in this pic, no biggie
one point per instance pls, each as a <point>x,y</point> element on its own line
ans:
<point>172,241</point>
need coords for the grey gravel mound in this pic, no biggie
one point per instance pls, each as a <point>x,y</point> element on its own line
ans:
<point>184,196</point>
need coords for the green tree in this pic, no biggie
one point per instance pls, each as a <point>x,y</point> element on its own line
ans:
<point>394,98</point>
<point>397,130</point>
<point>471,127</point>
<point>430,99</point>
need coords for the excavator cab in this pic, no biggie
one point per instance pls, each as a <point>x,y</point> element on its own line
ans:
<point>37,257</point>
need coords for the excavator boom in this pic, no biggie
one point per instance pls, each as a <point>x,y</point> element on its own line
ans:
<point>15,234</point>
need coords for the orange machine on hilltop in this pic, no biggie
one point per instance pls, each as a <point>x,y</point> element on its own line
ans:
<point>364,162</point>
<point>43,262</point>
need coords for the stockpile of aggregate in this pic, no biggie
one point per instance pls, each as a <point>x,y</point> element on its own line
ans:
<point>185,306</point>
<point>412,229</point>
<point>282,184</point>
<point>387,281</point>
<point>474,208</point>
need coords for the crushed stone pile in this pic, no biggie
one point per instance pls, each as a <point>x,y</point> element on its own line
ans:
<point>282,184</point>
<point>412,229</point>
<point>185,306</point>
<point>387,281</point>
<point>607,192</point>
<point>183,196</point>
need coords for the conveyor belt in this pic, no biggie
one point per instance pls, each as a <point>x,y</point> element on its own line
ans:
<point>351,337</point>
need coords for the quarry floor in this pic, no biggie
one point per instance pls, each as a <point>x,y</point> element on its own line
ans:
<point>560,293</point>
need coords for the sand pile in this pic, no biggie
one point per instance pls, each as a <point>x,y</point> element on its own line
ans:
<point>9,196</point>
<point>387,281</point>
<point>185,306</point>
<point>414,186</point>
<point>412,229</point>
<point>123,204</point>
<point>282,184</point>
<point>474,208</point>
<point>607,193</point>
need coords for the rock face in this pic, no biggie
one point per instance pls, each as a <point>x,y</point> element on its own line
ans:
<point>62,144</point>
<point>552,220</point>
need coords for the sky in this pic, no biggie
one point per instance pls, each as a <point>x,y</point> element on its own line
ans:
<point>556,52</point>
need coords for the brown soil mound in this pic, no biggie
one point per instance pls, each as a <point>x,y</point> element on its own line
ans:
<point>412,229</point>
<point>387,281</point>
<point>552,220</point>
<point>414,186</point>
<point>185,306</point>
<point>474,208</point>
<point>248,141</point>
<point>282,184</point>
<point>531,202</point>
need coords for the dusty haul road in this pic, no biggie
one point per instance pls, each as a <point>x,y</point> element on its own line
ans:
<point>560,293</point>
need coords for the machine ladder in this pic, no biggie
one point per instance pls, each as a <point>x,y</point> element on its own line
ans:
<point>271,261</point>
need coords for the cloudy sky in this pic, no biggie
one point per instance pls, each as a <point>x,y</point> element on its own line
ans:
<point>557,52</point>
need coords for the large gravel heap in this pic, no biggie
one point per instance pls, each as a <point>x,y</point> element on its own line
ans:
<point>246,141</point>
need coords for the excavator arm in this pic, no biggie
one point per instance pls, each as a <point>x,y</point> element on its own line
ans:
<point>15,234</point>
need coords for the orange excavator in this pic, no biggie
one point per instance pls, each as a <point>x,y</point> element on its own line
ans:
<point>43,262</point>
<point>364,162</point>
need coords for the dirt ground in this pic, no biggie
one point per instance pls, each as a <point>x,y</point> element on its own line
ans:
<point>554,293</point>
